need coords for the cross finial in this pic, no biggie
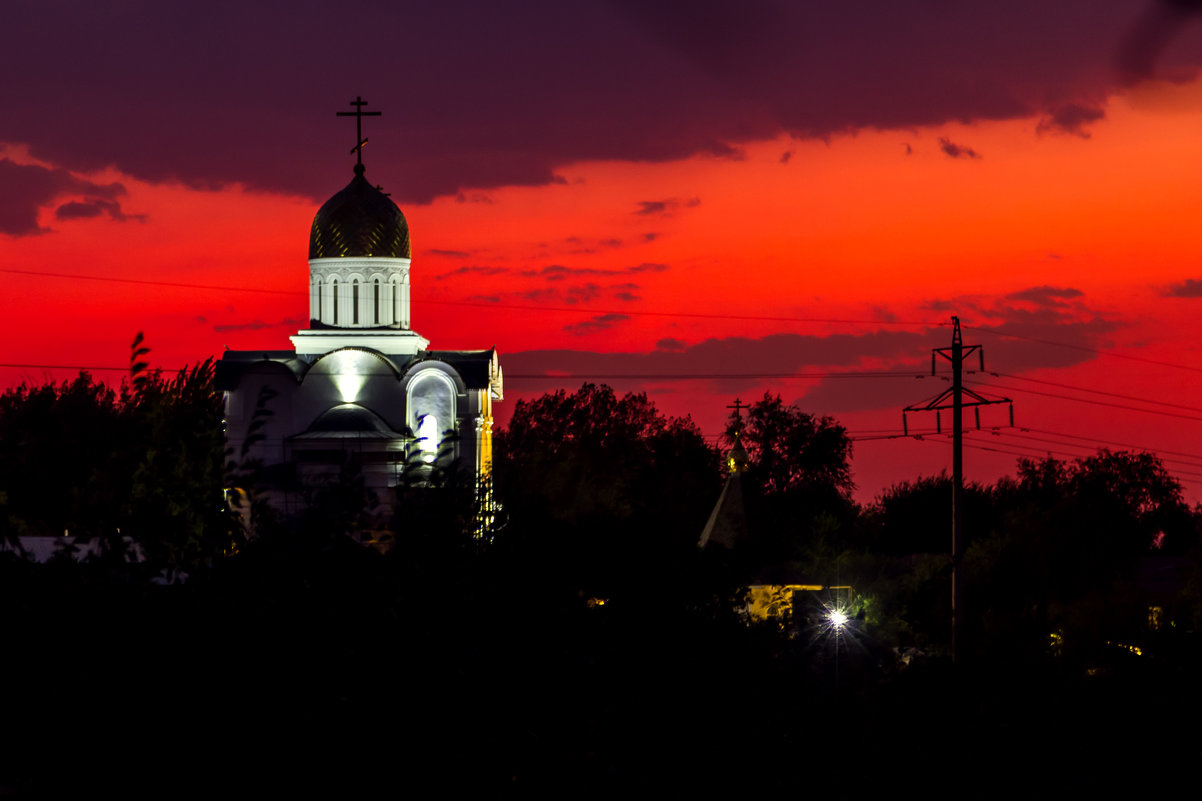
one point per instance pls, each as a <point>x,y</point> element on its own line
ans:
<point>358,114</point>
<point>738,406</point>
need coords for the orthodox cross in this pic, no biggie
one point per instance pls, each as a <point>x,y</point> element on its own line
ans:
<point>358,114</point>
<point>738,406</point>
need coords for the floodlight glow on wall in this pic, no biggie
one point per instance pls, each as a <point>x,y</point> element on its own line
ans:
<point>350,374</point>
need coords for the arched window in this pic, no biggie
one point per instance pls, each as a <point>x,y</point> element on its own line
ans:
<point>396,303</point>
<point>355,302</point>
<point>317,291</point>
<point>431,411</point>
<point>375,302</point>
<point>334,297</point>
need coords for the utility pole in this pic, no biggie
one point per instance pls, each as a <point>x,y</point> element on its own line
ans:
<point>954,399</point>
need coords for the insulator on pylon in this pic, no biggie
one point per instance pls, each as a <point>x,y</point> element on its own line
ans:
<point>938,423</point>
<point>932,362</point>
<point>905,425</point>
<point>981,353</point>
<point>977,411</point>
<point>1012,415</point>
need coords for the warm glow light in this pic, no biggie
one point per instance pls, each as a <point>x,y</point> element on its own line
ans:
<point>837,619</point>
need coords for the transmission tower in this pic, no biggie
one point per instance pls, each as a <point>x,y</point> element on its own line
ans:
<point>955,399</point>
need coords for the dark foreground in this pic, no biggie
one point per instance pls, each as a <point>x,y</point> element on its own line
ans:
<point>340,671</point>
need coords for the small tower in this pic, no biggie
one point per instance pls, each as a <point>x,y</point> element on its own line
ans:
<point>727,524</point>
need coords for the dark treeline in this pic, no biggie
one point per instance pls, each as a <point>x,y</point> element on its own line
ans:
<point>576,639</point>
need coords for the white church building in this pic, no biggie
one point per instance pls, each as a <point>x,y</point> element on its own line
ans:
<point>360,388</point>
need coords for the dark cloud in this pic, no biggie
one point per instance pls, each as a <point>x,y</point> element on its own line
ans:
<point>95,207</point>
<point>1043,330</point>
<point>652,207</point>
<point>1046,295</point>
<point>578,244</point>
<point>26,188</point>
<point>784,157</point>
<point>78,211</point>
<point>627,297</point>
<point>257,325</point>
<point>883,314</point>
<point>1014,339</point>
<point>537,295</point>
<point>602,322</point>
<point>455,254</point>
<point>1142,49</point>
<point>476,197</point>
<point>957,151</point>
<point>484,298</point>
<point>473,270</point>
<point>1189,288</point>
<point>1071,118</point>
<point>224,92</point>
<point>559,272</point>
<point>909,150</point>
<point>665,208</point>
<point>582,293</point>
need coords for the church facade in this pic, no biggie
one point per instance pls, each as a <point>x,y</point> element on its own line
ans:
<point>360,389</point>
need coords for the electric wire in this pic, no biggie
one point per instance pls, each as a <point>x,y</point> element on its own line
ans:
<point>507,306</point>
<point>631,312</point>
<point>1027,451</point>
<point>1074,387</point>
<point>1091,402</point>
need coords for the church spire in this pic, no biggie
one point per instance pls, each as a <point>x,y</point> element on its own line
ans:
<point>736,458</point>
<point>727,524</point>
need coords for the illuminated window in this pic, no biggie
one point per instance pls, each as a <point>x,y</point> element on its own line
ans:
<point>431,411</point>
<point>355,302</point>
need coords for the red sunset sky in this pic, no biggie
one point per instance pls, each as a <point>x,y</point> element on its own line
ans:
<point>776,191</point>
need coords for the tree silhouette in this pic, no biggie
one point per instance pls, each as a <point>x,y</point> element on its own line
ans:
<point>143,463</point>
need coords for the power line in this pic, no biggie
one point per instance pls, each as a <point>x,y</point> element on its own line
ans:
<point>507,306</point>
<point>1096,391</point>
<point>628,312</point>
<point>1027,451</point>
<point>1197,462</point>
<point>178,285</point>
<point>716,376</point>
<point>1094,402</point>
<point>1111,442</point>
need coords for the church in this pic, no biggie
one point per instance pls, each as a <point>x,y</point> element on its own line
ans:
<point>360,389</point>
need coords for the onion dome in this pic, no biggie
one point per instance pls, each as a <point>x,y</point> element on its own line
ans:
<point>359,221</point>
